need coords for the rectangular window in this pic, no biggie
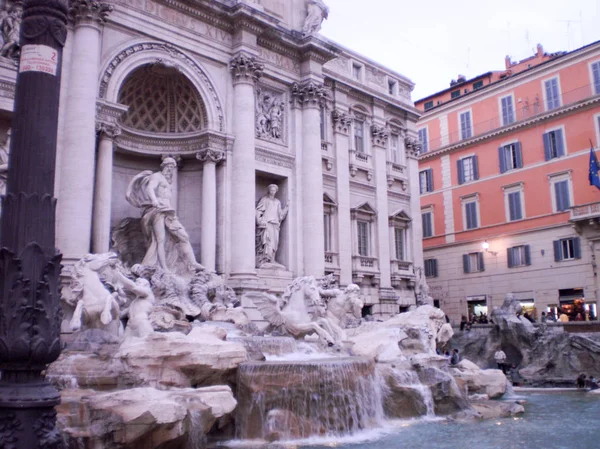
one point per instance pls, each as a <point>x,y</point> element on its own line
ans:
<point>399,240</point>
<point>518,256</point>
<point>455,93</point>
<point>470,211</point>
<point>427,218</point>
<point>465,125</point>
<point>322,123</point>
<point>567,249</point>
<point>508,113</point>
<point>553,144</point>
<point>552,94</point>
<point>359,141</point>
<point>562,198</point>
<point>473,263</point>
<point>596,76</point>
<point>356,69</point>
<point>515,211</point>
<point>431,268</point>
<point>426,181</point>
<point>327,232</point>
<point>468,169</point>
<point>478,85</point>
<point>423,139</point>
<point>394,148</point>
<point>428,105</point>
<point>363,238</point>
<point>510,157</point>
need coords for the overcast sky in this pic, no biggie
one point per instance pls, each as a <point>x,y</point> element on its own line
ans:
<point>432,41</point>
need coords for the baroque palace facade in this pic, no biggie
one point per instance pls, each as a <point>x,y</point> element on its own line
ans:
<point>243,94</point>
<point>506,203</point>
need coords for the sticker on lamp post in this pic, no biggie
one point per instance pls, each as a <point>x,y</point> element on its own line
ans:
<point>38,58</point>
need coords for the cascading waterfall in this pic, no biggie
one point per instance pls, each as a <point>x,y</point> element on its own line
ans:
<point>284,400</point>
<point>410,379</point>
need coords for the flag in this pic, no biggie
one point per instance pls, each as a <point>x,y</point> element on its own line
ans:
<point>594,179</point>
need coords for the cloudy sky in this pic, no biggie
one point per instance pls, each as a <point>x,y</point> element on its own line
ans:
<point>432,41</point>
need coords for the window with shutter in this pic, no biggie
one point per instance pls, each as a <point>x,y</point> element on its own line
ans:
<point>508,114</point>
<point>363,238</point>
<point>471,220</point>
<point>514,204</point>
<point>561,192</point>
<point>359,142</point>
<point>399,240</point>
<point>467,167</point>
<point>465,125</point>
<point>552,94</point>
<point>510,157</point>
<point>596,76</point>
<point>567,249</point>
<point>519,256</point>
<point>426,181</point>
<point>553,144</point>
<point>430,268</point>
<point>427,218</point>
<point>473,262</point>
<point>423,140</point>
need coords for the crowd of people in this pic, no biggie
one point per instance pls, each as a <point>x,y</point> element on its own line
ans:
<point>587,382</point>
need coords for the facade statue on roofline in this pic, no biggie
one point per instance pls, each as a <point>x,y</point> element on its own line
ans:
<point>269,216</point>
<point>317,12</point>
<point>168,244</point>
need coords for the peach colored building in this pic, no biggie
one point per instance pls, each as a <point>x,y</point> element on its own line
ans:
<point>505,199</point>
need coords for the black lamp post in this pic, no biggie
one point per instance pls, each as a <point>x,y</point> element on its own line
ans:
<point>30,314</point>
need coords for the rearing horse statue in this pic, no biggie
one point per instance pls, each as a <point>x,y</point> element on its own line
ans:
<point>95,306</point>
<point>293,313</point>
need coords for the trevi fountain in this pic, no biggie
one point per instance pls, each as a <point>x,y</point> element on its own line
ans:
<point>159,352</point>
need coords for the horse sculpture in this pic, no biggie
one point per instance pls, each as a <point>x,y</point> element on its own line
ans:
<point>95,306</point>
<point>300,312</point>
<point>339,305</point>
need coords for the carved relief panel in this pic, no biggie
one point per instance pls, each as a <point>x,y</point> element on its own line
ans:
<point>271,118</point>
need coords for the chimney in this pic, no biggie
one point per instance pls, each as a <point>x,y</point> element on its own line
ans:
<point>462,78</point>
<point>507,62</point>
<point>540,50</point>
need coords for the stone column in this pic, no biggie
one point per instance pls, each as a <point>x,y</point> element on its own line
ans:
<point>208,252</point>
<point>103,191</point>
<point>312,95</point>
<point>341,128</point>
<point>245,71</point>
<point>76,191</point>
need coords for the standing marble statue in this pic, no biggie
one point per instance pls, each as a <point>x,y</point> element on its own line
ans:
<point>317,12</point>
<point>11,30</point>
<point>169,245</point>
<point>4,149</point>
<point>269,215</point>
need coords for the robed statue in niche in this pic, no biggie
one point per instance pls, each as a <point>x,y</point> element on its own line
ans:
<point>269,216</point>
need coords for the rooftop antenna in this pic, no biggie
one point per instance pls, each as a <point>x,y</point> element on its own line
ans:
<point>569,22</point>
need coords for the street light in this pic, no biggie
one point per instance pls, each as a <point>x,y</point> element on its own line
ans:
<point>30,313</point>
<point>486,246</point>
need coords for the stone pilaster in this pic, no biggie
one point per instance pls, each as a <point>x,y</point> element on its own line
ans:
<point>413,149</point>
<point>208,254</point>
<point>379,139</point>
<point>107,133</point>
<point>311,96</point>
<point>342,123</point>
<point>76,189</point>
<point>245,71</point>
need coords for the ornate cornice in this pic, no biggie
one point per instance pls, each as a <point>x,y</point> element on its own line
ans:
<point>309,93</point>
<point>89,12</point>
<point>246,69</point>
<point>274,158</point>
<point>137,142</point>
<point>379,136</point>
<point>211,156</point>
<point>109,113</point>
<point>341,121</point>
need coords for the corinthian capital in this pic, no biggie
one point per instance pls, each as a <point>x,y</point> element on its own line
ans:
<point>246,69</point>
<point>214,156</point>
<point>341,121</point>
<point>309,94</point>
<point>108,130</point>
<point>89,11</point>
